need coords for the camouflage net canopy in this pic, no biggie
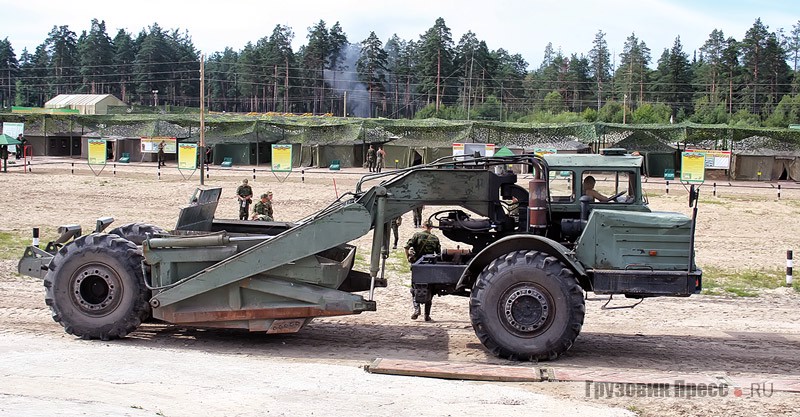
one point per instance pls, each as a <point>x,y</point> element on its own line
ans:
<point>325,130</point>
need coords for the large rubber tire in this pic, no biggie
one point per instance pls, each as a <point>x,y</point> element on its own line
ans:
<point>95,287</point>
<point>137,232</point>
<point>527,305</point>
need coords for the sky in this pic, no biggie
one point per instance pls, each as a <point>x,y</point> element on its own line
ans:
<point>518,26</point>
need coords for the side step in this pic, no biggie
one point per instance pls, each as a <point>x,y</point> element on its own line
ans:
<point>637,283</point>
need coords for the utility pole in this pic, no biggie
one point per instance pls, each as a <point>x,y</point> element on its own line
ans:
<point>469,81</point>
<point>202,149</point>
<point>624,109</point>
<point>438,74</point>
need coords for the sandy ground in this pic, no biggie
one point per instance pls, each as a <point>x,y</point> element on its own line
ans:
<point>169,370</point>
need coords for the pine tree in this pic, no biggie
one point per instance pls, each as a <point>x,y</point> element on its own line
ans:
<point>435,65</point>
<point>600,69</point>
<point>371,68</point>
<point>97,58</point>
<point>8,73</point>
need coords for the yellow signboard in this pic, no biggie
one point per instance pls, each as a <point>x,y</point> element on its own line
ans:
<point>187,156</point>
<point>282,158</point>
<point>715,159</point>
<point>693,167</point>
<point>97,151</point>
<point>150,144</point>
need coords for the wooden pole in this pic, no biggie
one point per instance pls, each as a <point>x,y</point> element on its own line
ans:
<point>202,149</point>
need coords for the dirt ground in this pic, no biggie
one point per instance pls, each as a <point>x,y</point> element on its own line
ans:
<point>169,370</point>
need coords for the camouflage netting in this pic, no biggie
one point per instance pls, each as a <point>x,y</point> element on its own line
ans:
<point>529,135</point>
<point>762,145</point>
<point>322,130</point>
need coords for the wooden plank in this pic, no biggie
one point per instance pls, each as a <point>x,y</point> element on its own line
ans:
<point>739,385</point>
<point>455,370</point>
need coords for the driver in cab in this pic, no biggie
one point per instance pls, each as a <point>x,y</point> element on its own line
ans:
<point>588,189</point>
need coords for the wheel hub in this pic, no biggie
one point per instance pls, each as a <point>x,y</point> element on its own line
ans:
<point>526,309</point>
<point>96,289</point>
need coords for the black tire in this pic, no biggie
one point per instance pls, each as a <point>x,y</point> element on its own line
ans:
<point>137,232</point>
<point>527,305</point>
<point>95,287</point>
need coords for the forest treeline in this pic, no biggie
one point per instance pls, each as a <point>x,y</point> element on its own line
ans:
<point>752,81</point>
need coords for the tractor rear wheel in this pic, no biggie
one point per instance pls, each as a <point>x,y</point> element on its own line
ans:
<point>95,287</point>
<point>136,232</point>
<point>527,305</point>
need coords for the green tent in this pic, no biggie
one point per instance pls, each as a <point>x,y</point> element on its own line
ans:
<point>504,151</point>
<point>8,140</point>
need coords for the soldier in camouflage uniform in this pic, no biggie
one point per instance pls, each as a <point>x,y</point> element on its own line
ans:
<point>263,209</point>
<point>244,194</point>
<point>371,158</point>
<point>422,243</point>
<point>396,222</point>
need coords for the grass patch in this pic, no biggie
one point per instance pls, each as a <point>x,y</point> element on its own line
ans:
<point>361,262</point>
<point>634,409</point>
<point>397,262</point>
<point>743,283</point>
<point>716,202</point>
<point>12,245</point>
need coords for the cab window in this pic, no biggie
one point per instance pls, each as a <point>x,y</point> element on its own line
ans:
<point>561,186</point>
<point>610,184</point>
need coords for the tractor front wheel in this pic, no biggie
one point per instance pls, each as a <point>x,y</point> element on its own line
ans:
<point>95,287</point>
<point>527,305</point>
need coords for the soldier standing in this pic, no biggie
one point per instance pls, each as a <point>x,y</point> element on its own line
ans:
<point>381,155</point>
<point>418,216</point>
<point>396,222</point>
<point>21,146</point>
<point>262,210</point>
<point>245,196</point>
<point>161,162</point>
<point>422,243</point>
<point>371,158</point>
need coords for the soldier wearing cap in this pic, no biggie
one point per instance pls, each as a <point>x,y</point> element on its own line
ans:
<point>245,196</point>
<point>263,208</point>
<point>422,243</point>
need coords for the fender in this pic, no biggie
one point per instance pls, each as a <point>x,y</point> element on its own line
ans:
<point>521,242</point>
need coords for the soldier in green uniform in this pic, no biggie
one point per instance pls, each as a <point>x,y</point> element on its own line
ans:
<point>371,158</point>
<point>422,243</point>
<point>263,208</point>
<point>245,196</point>
<point>396,222</point>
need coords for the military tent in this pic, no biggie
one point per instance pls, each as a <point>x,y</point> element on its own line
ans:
<point>763,158</point>
<point>766,165</point>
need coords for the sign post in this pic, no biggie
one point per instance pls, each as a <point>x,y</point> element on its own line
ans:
<point>281,159</point>
<point>98,154</point>
<point>693,167</point>
<point>187,158</point>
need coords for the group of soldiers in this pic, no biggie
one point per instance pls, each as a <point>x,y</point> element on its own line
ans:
<point>375,159</point>
<point>262,210</point>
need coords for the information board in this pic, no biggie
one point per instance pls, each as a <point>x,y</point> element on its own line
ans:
<point>187,156</point>
<point>693,167</point>
<point>150,144</point>
<point>715,159</point>
<point>97,151</point>
<point>281,157</point>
